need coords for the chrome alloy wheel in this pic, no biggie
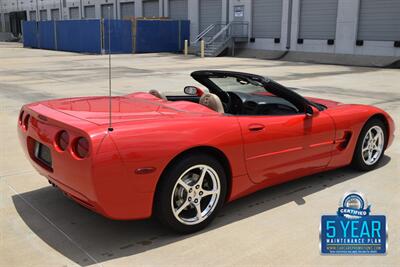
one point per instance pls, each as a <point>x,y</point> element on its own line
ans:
<point>372,145</point>
<point>195,194</point>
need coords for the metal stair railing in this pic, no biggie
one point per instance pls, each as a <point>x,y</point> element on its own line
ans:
<point>234,29</point>
<point>224,30</point>
<point>203,33</point>
<point>207,33</point>
<point>218,36</point>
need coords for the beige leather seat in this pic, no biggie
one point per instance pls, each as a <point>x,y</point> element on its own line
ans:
<point>158,94</point>
<point>212,101</point>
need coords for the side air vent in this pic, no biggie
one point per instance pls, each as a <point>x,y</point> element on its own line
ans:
<point>344,141</point>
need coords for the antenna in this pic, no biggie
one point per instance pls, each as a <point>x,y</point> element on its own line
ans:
<point>110,128</point>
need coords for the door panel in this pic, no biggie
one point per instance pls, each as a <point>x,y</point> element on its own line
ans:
<point>127,10</point>
<point>90,12</point>
<point>267,18</point>
<point>210,12</point>
<point>32,15</point>
<point>178,9</point>
<point>107,11</point>
<point>285,147</point>
<point>55,14</point>
<point>43,15</point>
<point>151,8</point>
<point>74,13</point>
<point>379,20</point>
<point>318,19</point>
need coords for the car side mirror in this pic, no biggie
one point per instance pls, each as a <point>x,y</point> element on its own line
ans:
<point>190,90</point>
<point>193,91</point>
<point>311,111</point>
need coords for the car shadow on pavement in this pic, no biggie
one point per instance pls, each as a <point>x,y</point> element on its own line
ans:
<point>87,238</point>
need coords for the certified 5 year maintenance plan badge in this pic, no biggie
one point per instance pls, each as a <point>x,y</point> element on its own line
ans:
<point>353,230</point>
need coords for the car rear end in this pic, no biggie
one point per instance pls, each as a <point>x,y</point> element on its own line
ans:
<point>60,147</point>
<point>68,142</point>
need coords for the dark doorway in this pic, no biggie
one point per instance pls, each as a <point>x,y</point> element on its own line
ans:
<point>16,19</point>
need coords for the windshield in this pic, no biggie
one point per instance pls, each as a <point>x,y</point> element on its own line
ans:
<point>241,85</point>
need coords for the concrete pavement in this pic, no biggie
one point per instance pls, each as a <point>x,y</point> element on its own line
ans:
<point>275,227</point>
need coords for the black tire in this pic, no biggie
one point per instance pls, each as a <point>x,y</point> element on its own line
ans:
<point>162,206</point>
<point>358,162</point>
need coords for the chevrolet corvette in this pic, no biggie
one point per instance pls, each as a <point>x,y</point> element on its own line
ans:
<point>181,157</point>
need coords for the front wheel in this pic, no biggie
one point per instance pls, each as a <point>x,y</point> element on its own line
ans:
<point>370,145</point>
<point>191,192</point>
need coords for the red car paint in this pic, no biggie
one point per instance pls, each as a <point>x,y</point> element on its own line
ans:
<point>119,177</point>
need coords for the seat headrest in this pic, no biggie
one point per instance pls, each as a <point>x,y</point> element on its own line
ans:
<point>212,101</point>
<point>158,94</point>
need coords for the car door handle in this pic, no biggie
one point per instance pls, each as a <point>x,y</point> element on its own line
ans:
<point>255,127</point>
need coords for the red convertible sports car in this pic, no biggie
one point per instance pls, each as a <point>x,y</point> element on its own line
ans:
<point>181,158</point>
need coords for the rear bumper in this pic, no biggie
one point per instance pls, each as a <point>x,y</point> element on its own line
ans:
<point>99,182</point>
<point>73,194</point>
<point>115,211</point>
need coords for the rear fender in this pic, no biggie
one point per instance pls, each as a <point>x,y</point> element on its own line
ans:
<point>154,144</point>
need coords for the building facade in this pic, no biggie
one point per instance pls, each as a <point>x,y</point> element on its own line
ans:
<point>357,27</point>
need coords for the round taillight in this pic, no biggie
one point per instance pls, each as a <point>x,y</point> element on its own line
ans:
<point>62,140</point>
<point>81,147</point>
<point>21,115</point>
<point>26,121</point>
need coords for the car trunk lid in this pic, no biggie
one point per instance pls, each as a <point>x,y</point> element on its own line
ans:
<point>97,109</point>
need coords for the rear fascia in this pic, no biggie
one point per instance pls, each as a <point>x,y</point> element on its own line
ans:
<point>99,182</point>
<point>71,174</point>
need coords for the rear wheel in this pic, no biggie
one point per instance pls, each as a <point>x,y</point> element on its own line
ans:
<point>191,192</point>
<point>370,145</point>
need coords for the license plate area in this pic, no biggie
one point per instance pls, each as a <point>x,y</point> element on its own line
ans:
<point>42,154</point>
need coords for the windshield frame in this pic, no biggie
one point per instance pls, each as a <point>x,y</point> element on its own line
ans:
<point>204,77</point>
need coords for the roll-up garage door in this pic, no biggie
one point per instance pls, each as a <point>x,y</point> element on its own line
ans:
<point>43,15</point>
<point>55,14</point>
<point>178,9</point>
<point>107,11</point>
<point>210,13</point>
<point>379,20</point>
<point>127,10</point>
<point>267,18</point>
<point>318,19</point>
<point>74,13</point>
<point>7,26</point>
<point>32,15</point>
<point>90,12</point>
<point>150,8</point>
